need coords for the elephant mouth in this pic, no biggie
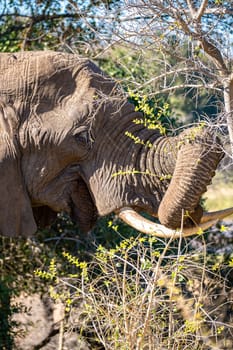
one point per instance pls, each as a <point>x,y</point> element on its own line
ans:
<point>82,208</point>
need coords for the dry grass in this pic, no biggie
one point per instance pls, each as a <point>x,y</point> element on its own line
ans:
<point>219,194</point>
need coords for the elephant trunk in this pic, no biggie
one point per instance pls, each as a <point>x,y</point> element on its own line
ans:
<point>197,159</point>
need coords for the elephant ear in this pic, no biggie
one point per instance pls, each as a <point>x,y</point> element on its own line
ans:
<point>16,217</point>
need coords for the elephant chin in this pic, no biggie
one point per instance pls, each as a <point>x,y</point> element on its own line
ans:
<point>135,220</point>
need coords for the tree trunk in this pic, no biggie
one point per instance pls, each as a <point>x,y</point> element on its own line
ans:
<point>228,101</point>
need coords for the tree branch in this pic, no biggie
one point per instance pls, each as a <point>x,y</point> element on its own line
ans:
<point>201,10</point>
<point>28,30</point>
<point>191,8</point>
<point>164,75</point>
<point>183,86</point>
<point>43,17</point>
<point>214,53</point>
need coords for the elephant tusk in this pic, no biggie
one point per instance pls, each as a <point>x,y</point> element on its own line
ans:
<point>135,220</point>
<point>216,215</point>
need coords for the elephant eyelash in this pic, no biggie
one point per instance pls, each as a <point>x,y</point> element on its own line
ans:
<point>82,137</point>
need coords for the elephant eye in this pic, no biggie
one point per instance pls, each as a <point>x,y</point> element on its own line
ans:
<point>82,137</point>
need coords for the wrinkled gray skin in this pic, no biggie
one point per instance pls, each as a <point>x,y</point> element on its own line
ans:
<point>63,141</point>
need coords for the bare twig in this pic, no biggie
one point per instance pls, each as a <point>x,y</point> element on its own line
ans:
<point>61,335</point>
<point>201,10</point>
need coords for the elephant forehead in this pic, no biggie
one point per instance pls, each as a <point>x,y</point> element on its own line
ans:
<point>43,82</point>
<point>20,71</point>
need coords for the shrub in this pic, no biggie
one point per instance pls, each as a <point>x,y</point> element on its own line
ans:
<point>145,294</point>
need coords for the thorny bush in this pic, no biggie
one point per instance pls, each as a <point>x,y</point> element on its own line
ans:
<point>146,294</point>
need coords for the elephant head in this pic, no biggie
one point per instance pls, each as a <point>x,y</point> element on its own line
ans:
<point>71,142</point>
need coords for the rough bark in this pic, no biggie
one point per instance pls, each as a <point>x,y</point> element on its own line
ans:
<point>228,101</point>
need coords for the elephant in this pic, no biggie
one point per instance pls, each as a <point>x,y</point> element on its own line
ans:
<point>71,142</point>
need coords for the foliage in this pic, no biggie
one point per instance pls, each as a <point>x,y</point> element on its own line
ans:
<point>104,279</point>
<point>191,42</point>
<point>137,72</point>
<point>156,112</point>
<point>144,293</point>
<point>19,258</point>
<point>6,331</point>
<point>51,24</point>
